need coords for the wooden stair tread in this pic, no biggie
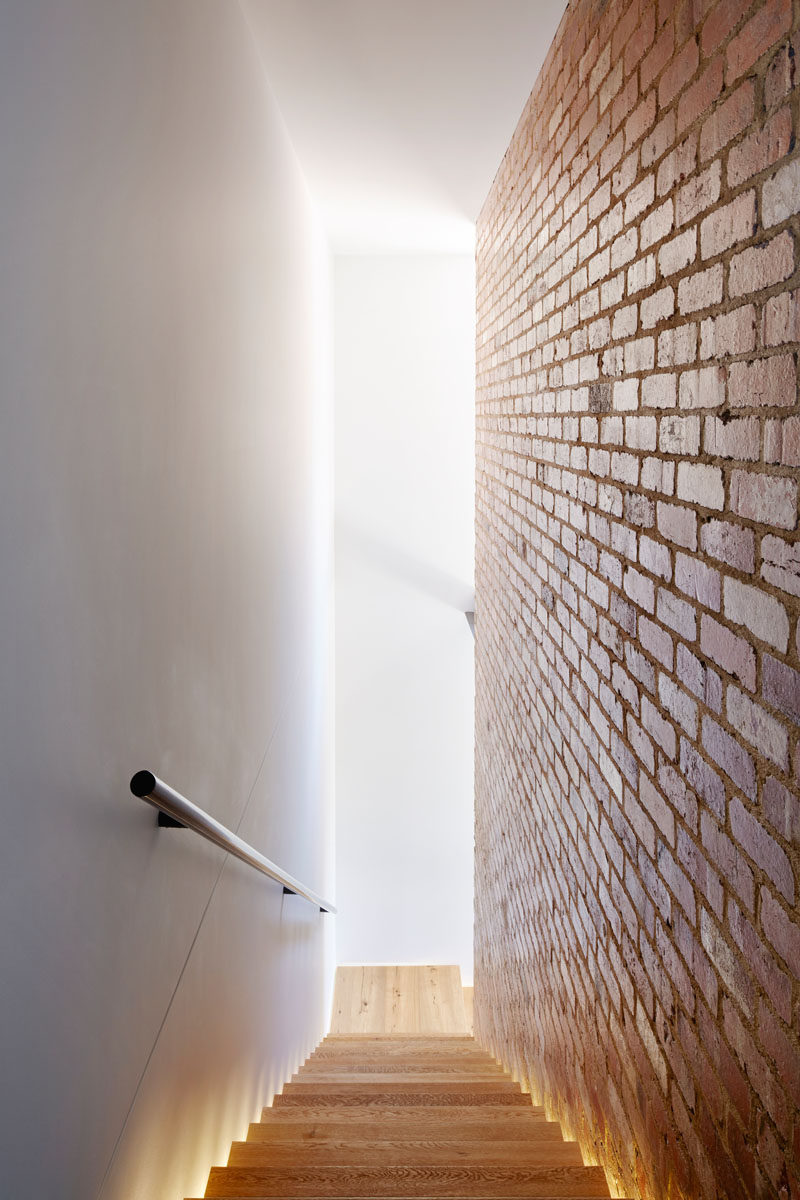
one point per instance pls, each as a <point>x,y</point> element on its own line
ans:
<point>366,1153</point>
<point>486,1078</point>
<point>394,1117</point>
<point>486,1114</point>
<point>389,1083</point>
<point>396,1097</point>
<point>492,1181</point>
<point>415,1129</point>
<point>402,1066</point>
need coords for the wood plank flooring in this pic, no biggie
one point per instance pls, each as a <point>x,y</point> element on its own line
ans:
<point>404,1118</point>
<point>378,998</point>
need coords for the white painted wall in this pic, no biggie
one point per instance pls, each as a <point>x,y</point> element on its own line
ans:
<point>404,350</point>
<point>165,556</point>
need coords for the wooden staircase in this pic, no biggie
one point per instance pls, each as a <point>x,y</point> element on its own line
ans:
<point>399,1116</point>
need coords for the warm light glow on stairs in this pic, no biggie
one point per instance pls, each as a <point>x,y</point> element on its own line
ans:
<point>402,1116</point>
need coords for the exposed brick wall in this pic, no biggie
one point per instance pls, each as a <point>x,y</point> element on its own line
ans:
<point>638,587</point>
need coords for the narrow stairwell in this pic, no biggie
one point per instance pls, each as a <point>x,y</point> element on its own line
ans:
<point>400,1117</point>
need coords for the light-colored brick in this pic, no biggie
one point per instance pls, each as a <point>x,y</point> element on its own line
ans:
<point>640,433</point>
<point>780,566</point>
<point>659,391</point>
<point>678,253</point>
<point>657,308</point>
<point>761,266</point>
<point>765,382</point>
<point>780,195</point>
<point>698,581</point>
<point>731,544</point>
<point>703,388</point>
<point>677,347</point>
<point>755,724</point>
<point>701,290</point>
<point>679,435</point>
<point>701,484</point>
<point>732,223</point>
<point>739,439</point>
<point>678,524</point>
<point>768,499</point>
<point>729,333</point>
<point>756,609</point>
<point>637,437</point>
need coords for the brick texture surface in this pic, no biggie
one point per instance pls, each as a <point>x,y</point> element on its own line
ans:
<point>638,590</point>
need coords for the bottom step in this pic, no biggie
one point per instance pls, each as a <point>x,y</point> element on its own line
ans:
<point>396,1182</point>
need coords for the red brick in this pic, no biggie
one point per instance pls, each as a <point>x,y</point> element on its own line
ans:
<point>761,32</point>
<point>640,120</point>
<point>624,102</point>
<point>778,1047</point>
<point>677,166</point>
<point>657,59</point>
<point>755,1066</point>
<point>722,19</point>
<point>624,31</point>
<point>781,74</point>
<point>622,750</point>
<point>640,41</point>
<point>775,982</point>
<point>760,149</point>
<point>659,141</point>
<point>698,195</point>
<point>728,860</point>
<point>783,933</point>
<point>678,73</point>
<point>696,100</point>
<point>727,121</point>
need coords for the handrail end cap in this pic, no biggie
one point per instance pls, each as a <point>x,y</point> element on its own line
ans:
<point>143,784</point>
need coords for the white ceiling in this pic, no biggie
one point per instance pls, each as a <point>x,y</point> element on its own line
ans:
<point>400,110</point>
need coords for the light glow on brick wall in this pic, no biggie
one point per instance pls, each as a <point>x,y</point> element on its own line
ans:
<point>637,594</point>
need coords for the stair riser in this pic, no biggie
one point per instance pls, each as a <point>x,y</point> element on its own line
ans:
<point>396,1099</point>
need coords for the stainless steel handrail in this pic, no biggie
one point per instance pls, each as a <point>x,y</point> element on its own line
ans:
<point>148,787</point>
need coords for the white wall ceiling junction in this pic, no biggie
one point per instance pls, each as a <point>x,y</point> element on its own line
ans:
<point>400,112</point>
